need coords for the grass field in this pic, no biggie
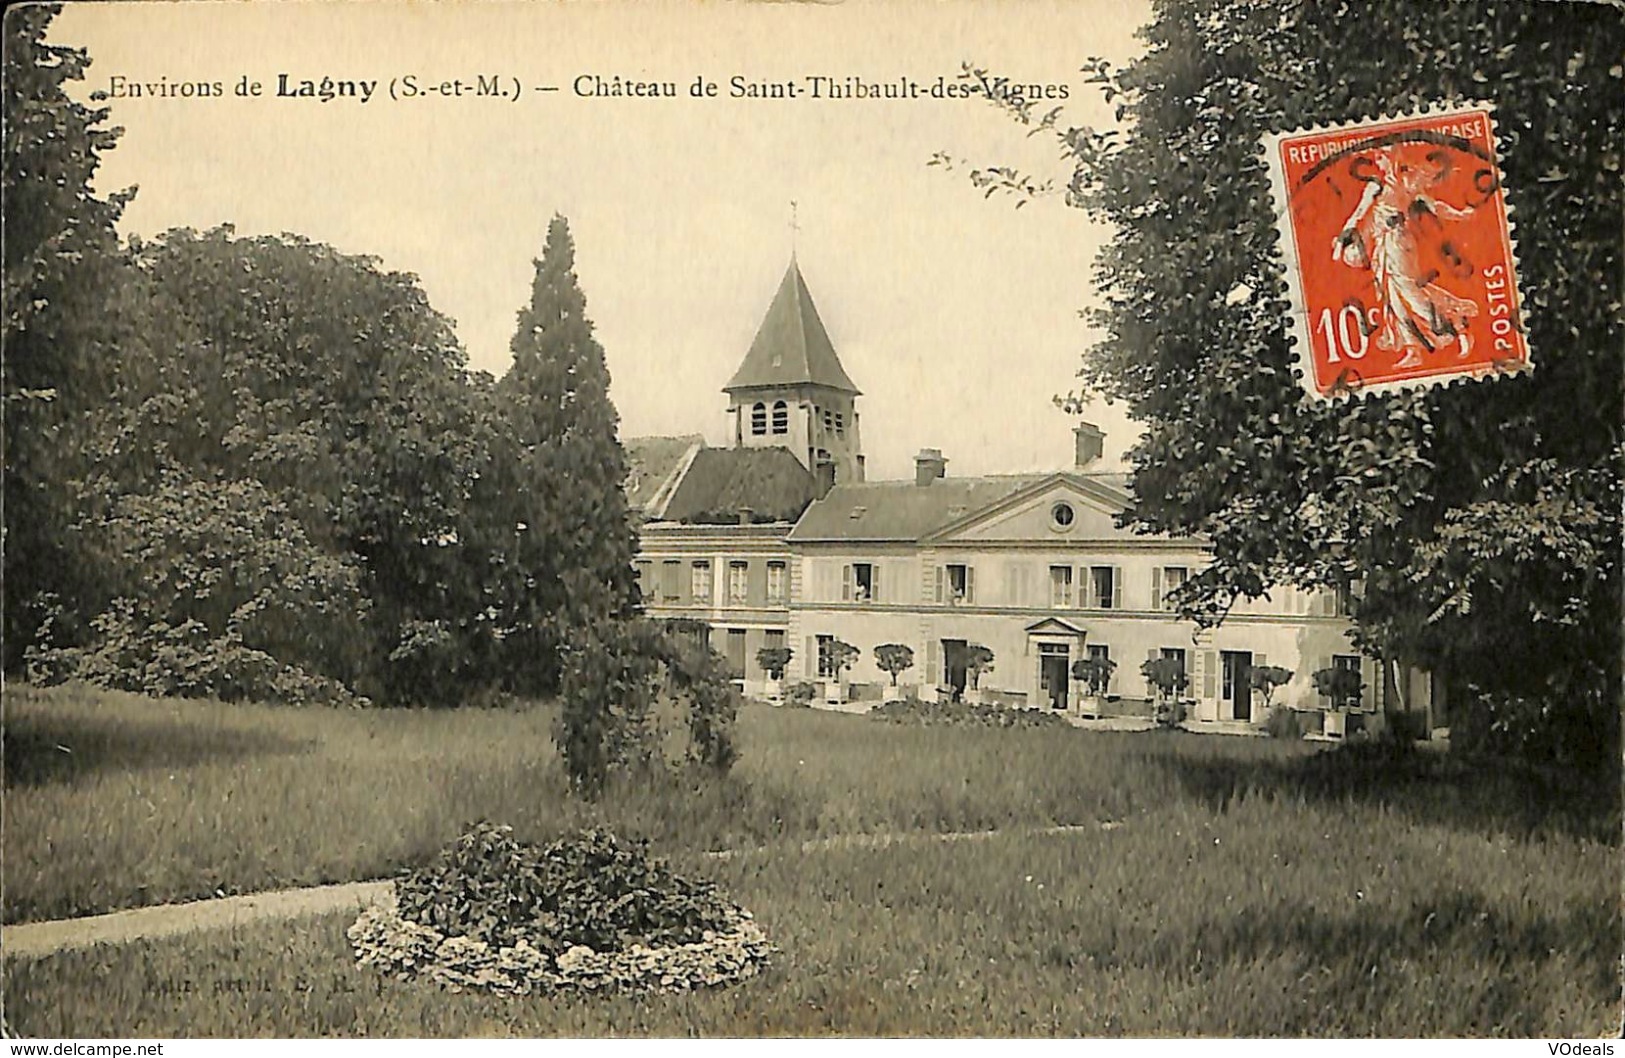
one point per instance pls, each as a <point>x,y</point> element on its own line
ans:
<point>1249,888</point>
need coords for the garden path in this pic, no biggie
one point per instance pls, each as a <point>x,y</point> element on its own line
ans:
<point>37,939</point>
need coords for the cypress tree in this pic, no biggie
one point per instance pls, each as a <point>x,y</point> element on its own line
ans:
<point>573,537</point>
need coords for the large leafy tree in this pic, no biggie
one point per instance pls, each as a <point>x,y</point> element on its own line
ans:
<point>62,320</point>
<point>573,536</point>
<point>1481,522</point>
<point>335,389</point>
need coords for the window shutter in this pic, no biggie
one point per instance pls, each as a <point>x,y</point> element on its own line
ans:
<point>846,582</point>
<point>932,676</point>
<point>1117,587</point>
<point>874,581</point>
<point>1259,661</point>
<point>941,575</point>
<point>1150,688</point>
<point>1210,674</point>
<point>970,584</point>
<point>1156,587</point>
<point>809,660</point>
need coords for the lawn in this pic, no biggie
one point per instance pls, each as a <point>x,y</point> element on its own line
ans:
<point>1246,887</point>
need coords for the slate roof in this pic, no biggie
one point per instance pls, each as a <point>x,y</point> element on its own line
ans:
<point>721,481</point>
<point>791,347</point>
<point>679,479</point>
<point>654,465</point>
<point>901,510</point>
<point>904,512</point>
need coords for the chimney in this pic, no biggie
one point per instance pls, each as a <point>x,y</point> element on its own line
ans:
<point>929,465</point>
<point>746,516</point>
<point>1091,443</point>
<point>824,477</point>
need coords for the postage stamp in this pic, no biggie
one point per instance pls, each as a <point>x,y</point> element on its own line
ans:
<point>1401,266</point>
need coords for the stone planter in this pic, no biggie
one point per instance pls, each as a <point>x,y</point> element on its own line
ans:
<point>1335,723</point>
<point>834,692</point>
<point>891,693</point>
<point>773,690</point>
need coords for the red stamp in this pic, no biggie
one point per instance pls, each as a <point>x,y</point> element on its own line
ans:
<point>1400,261</point>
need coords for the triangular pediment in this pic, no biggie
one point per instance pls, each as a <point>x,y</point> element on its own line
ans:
<point>1054,626</point>
<point>1059,508</point>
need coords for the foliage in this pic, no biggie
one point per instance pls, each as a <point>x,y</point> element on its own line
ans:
<point>331,389</point>
<point>978,660</point>
<point>1343,686</point>
<point>895,659</point>
<point>964,714</point>
<point>611,680</point>
<point>592,889</point>
<point>842,656</point>
<point>277,628</point>
<point>1484,519</point>
<point>1284,723</point>
<point>1168,678</point>
<point>1166,675</point>
<point>491,912</point>
<point>801,693</point>
<point>614,674</point>
<point>65,317</point>
<point>774,660</point>
<point>574,556</point>
<point>698,678</point>
<point>1267,679</point>
<point>1094,673</point>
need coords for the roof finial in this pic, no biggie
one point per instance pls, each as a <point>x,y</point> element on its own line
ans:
<point>795,227</point>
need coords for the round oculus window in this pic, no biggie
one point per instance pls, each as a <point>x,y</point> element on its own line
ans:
<point>1062,515</point>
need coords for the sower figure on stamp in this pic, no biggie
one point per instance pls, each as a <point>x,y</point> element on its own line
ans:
<point>1381,234</point>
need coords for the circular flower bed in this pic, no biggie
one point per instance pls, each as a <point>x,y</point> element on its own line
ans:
<point>590,913</point>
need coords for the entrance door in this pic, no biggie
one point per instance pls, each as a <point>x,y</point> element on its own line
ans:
<point>953,666</point>
<point>1238,683</point>
<point>1054,661</point>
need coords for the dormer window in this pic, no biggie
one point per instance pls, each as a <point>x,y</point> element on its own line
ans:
<point>781,417</point>
<point>758,419</point>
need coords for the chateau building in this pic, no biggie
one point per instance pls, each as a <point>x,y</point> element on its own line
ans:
<point>778,540</point>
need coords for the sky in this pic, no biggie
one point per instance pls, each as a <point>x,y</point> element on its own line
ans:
<point>957,315</point>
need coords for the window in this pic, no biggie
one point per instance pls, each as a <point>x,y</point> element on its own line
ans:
<point>840,425</point>
<point>1176,654</point>
<point>644,571</point>
<point>1343,602</point>
<point>1104,587</point>
<point>829,421</point>
<point>736,652</point>
<point>961,584</point>
<point>826,663</point>
<point>859,582</point>
<point>1060,585</point>
<point>669,572</point>
<point>700,581</point>
<point>738,581</point>
<point>775,582</point>
<point>758,419</point>
<point>781,417</point>
<point>1061,516</point>
<point>775,638</point>
<point>1163,583</point>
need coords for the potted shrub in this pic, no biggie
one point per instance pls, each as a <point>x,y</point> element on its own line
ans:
<point>1343,687</point>
<point>774,660</point>
<point>842,655</point>
<point>1095,674</point>
<point>1267,679</point>
<point>978,659</point>
<point>1168,679</point>
<point>893,659</point>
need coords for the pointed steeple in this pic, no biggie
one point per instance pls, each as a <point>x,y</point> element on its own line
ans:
<point>791,347</point>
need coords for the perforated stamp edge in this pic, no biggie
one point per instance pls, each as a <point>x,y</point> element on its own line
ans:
<point>1287,257</point>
